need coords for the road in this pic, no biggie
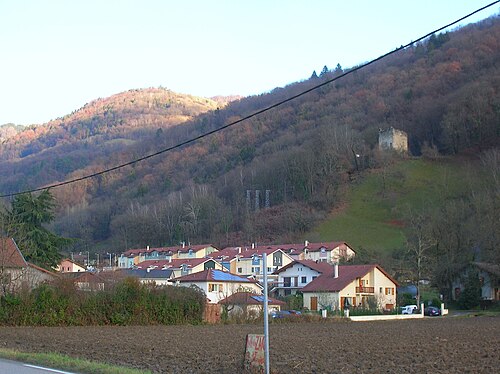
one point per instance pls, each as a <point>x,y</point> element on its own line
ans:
<point>14,367</point>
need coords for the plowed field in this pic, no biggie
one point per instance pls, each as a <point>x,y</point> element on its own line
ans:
<point>431,345</point>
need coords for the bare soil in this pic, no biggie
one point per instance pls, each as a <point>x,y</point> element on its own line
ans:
<point>431,345</point>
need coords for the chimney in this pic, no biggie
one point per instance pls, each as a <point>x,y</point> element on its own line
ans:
<point>335,269</point>
<point>306,243</point>
<point>253,245</point>
<point>183,244</point>
<point>147,248</point>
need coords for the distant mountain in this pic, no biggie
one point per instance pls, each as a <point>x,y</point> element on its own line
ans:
<point>271,178</point>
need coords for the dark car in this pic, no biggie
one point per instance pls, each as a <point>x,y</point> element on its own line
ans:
<point>432,311</point>
<point>284,313</point>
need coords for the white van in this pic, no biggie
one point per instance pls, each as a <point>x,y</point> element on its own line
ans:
<point>409,309</point>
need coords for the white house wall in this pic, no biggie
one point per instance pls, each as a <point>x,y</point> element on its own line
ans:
<point>299,271</point>
<point>228,288</point>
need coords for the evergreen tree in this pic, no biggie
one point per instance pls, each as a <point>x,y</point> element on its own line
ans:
<point>24,223</point>
<point>471,295</point>
<point>324,71</point>
<point>314,75</point>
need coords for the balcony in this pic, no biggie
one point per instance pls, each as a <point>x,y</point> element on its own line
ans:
<point>362,289</point>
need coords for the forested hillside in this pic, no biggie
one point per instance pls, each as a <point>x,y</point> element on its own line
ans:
<point>307,153</point>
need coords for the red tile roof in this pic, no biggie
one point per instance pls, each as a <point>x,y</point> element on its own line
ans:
<point>190,262</point>
<point>329,246</point>
<point>248,298</point>
<point>247,252</point>
<point>320,267</point>
<point>346,275</point>
<point>10,255</point>
<point>176,249</point>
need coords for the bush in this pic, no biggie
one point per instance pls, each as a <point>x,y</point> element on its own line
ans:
<point>128,303</point>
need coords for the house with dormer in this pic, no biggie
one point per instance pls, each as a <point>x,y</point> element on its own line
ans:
<point>330,252</point>
<point>248,261</point>
<point>133,257</point>
<point>353,286</point>
<point>180,267</point>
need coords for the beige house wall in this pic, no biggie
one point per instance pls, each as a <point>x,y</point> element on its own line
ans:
<point>375,278</point>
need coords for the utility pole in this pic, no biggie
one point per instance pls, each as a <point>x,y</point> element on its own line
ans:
<point>266,314</point>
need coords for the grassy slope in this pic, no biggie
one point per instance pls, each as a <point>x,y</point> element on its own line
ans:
<point>373,217</point>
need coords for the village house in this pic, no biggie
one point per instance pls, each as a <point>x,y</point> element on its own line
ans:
<point>296,275</point>
<point>351,286</point>
<point>69,266</point>
<point>489,279</point>
<point>16,273</point>
<point>85,281</point>
<point>159,277</point>
<point>248,261</point>
<point>181,267</point>
<point>330,252</point>
<point>133,257</point>
<point>218,284</point>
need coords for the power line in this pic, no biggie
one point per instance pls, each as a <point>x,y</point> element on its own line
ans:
<point>192,140</point>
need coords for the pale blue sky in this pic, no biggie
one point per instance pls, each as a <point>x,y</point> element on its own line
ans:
<point>57,55</point>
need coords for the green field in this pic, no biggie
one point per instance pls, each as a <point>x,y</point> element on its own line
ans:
<point>376,206</point>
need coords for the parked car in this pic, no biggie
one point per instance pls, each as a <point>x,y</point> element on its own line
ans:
<point>432,311</point>
<point>285,313</point>
<point>409,309</point>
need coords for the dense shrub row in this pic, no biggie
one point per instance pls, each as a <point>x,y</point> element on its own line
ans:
<point>127,303</point>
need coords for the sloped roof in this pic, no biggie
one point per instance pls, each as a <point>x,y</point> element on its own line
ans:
<point>10,255</point>
<point>489,268</point>
<point>33,266</point>
<point>214,275</point>
<point>346,275</point>
<point>328,246</point>
<point>246,253</point>
<point>83,276</point>
<point>152,274</point>
<point>174,264</point>
<point>248,298</point>
<point>175,249</point>
<point>320,267</point>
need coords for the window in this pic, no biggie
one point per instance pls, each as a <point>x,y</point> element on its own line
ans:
<point>269,270</point>
<point>303,280</point>
<point>380,290</point>
<point>314,277</point>
<point>212,287</point>
<point>240,270</point>
<point>389,291</point>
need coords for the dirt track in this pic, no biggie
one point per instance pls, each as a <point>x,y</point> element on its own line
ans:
<point>440,345</point>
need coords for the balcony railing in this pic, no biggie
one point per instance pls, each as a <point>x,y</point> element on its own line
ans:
<point>365,289</point>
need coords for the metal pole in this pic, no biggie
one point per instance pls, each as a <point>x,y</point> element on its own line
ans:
<point>266,314</point>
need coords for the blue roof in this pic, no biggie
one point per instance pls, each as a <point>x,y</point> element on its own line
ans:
<point>219,275</point>
<point>260,299</point>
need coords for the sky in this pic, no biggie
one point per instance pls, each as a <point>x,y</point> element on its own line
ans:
<point>58,55</point>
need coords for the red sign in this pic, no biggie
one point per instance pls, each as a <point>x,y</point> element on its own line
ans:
<point>254,351</point>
